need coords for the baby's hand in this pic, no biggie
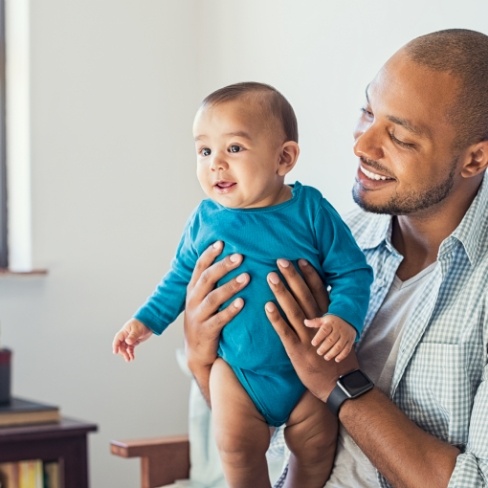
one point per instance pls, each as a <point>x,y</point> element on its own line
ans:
<point>132,333</point>
<point>334,338</point>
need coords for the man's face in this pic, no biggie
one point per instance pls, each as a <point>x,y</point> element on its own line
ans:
<point>405,142</point>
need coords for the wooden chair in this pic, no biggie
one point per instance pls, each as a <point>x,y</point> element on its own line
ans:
<point>163,459</point>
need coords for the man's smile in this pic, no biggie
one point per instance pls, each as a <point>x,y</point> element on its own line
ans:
<point>373,176</point>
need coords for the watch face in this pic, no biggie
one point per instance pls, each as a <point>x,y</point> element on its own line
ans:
<point>356,383</point>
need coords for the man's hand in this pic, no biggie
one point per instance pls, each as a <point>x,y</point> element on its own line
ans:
<point>203,319</point>
<point>131,335</point>
<point>307,299</point>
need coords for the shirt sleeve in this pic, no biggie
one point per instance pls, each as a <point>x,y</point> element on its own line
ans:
<point>345,268</point>
<point>168,299</point>
<point>471,467</point>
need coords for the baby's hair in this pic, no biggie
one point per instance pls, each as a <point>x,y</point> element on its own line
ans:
<point>272,102</point>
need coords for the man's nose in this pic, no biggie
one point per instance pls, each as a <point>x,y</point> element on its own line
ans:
<point>368,143</point>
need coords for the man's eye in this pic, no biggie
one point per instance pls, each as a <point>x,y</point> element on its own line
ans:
<point>205,151</point>
<point>401,143</point>
<point>367,113</point>
<point>235,148</point>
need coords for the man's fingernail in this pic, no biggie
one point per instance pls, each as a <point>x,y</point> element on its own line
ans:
<point>269,307</point>
<point>241,278</point>
<point>283,263</point>
<point>217,245</point>
<point>273,277</point>
<point>303,262</point>
<point>238,303</point>
<point>234,258</point>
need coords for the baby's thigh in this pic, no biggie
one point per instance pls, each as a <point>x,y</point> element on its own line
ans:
<point>234,415</point>
<point>311,425</point>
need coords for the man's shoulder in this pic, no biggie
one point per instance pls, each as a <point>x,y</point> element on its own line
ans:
<point>367,228</point>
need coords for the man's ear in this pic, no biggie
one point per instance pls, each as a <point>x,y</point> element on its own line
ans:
<point>476,160</point>
<point>288,157</point>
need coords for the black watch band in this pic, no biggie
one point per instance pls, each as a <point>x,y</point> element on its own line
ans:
<point>350,385</point>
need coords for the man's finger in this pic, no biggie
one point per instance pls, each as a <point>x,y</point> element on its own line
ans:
<point>215,298</point>
<point>205,260</point>
<point>298,287</point>
<point>208,277</point>
<point>220,319</point>
<point>289,305</point>
<point>315,285</point>
<point>286,333</point>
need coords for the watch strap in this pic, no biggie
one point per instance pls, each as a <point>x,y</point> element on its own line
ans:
<point>348,387</point>
<point>336,398</point>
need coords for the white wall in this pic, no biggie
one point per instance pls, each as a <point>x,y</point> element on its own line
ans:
<point>115,84</point>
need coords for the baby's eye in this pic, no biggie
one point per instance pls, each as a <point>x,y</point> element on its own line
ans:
<point>235,148</point>
<point>205,151</point>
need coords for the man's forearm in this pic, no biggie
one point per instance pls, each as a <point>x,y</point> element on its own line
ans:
<point>202,377</point>
<point>405,454</point>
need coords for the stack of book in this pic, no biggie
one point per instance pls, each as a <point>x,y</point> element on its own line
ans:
<point>20,412</point>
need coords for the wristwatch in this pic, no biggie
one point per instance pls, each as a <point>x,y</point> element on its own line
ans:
<point>350,385</point>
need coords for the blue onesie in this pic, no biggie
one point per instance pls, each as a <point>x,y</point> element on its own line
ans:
<point>306,226</point>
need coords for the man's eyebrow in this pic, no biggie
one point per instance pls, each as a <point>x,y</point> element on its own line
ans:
<point>415,129</point>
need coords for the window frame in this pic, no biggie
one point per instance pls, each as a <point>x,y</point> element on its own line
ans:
<point>3,143</point>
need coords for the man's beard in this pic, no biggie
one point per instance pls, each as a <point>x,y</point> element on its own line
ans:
<point>410,202</point>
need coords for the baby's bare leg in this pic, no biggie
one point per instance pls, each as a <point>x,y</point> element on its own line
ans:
<point>241,433</point>
<point>311,435</point>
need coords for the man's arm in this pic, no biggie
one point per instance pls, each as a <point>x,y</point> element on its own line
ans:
<point>406,455</point>
<point>203,321</point>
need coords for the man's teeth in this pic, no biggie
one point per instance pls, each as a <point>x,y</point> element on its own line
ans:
<point>373,176</point>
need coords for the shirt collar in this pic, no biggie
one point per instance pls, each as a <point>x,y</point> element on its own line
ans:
<point>470,232</point>
<point>378,231</point>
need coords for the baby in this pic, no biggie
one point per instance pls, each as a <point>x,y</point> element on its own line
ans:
<point>246,141</point>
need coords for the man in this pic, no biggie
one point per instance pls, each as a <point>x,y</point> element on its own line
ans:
<point>422,149</point>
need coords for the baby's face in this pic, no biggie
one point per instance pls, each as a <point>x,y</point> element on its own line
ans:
<point>238,155</point>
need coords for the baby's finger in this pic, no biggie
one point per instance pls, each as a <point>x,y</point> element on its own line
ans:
<point>329,342</point>
<point>335,349</point>
<point>344,353</point>
<point>320,336</point>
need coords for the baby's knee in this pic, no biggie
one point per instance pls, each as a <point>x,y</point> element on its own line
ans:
<point>312,443</point>
<point>239,450</point>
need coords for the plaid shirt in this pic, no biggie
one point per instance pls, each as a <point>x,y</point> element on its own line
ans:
<point>441,375</point>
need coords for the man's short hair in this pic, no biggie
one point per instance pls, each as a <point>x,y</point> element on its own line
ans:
<point>464,53</point>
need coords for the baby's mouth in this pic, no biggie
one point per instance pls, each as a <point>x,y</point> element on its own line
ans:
<point>224,185</point>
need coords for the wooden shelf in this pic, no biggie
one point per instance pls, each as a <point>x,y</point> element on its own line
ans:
<point>65,442</point>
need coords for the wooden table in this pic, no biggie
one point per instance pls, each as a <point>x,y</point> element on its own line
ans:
<point>65,442</point>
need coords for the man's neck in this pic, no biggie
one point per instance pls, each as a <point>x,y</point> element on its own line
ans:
<point>417,242</point>
<point>418,237</point>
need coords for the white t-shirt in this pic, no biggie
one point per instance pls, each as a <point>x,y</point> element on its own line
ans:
<point>378,352</point>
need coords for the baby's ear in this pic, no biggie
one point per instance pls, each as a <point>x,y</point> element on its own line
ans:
<point>288,157</point>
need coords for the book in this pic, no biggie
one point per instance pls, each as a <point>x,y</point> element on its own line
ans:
<point>30,474</point>
<point>9,475</point>
<point>52,475</point>
<point>24,412</point>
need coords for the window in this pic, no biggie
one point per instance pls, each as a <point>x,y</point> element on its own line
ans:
<point>3,163</point>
